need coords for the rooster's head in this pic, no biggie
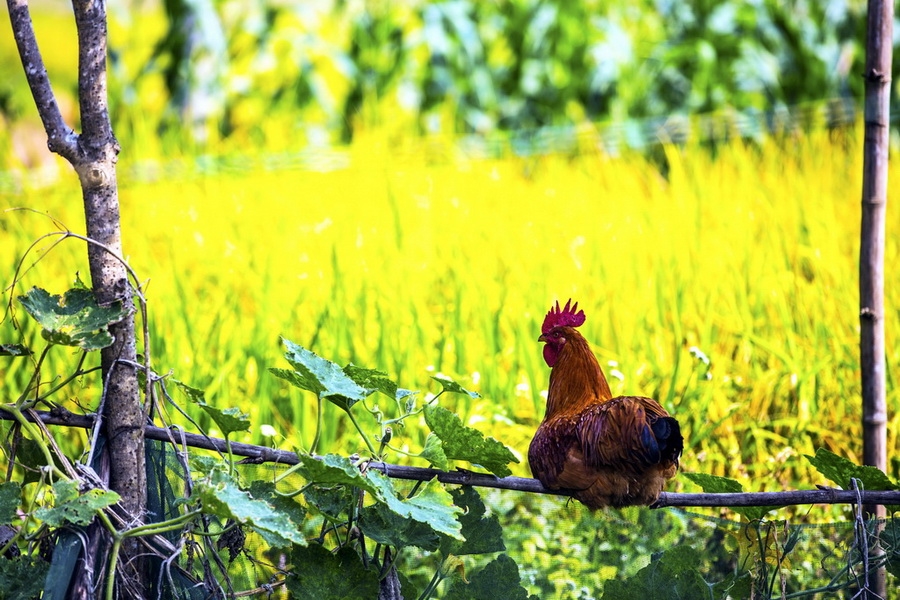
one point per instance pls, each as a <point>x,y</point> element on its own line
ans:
<point>553,331</point>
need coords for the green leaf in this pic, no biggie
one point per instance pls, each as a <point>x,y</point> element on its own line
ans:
<point>193,394</point>
<point>465,443</point>
<point>317,573</point>
<point>29,454</point>
<point>840,470</point>
<point>71,508</point>
<point>373,380</point>
<point>385,526</point>
<point>498,580</point>
<point>265,490</point>
<point>204,464</point>
<point>434,452</point>
<point>10,496</point>
<point>22,578</point>
<point>228,420</point>
<point>221,496</point>
<point>675,574</point>
<point>333,469</point>
<point>433,504</point>
<point>79,283</point>
<point>74,319</point>
<point>14,350</point>
<point>483,534</point>
<point>332,502</point>
<point>320,376</point>
<point>713,484</point>
<point>448,385</point>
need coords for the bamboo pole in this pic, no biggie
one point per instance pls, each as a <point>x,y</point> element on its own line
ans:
<point>879,48</point>
<point>871,252</point>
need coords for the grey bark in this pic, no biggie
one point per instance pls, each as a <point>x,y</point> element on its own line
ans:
<point>93,154</point>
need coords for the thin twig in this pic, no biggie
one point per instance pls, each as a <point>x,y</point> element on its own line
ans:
<point>261,454</point>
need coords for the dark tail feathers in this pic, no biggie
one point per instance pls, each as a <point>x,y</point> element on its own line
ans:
<point>668,438</point>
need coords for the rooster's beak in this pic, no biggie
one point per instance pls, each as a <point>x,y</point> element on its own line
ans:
<point>542,339</point>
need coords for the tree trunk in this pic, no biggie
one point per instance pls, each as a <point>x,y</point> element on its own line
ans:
<point>93,154</point>
<point>879,46</point>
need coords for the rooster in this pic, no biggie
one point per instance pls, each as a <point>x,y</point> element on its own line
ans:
<point>608,451</point>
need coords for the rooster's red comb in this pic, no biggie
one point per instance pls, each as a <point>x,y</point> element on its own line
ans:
<point>565,317</point>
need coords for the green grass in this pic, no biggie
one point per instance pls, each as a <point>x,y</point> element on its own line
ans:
<point>412,265</point>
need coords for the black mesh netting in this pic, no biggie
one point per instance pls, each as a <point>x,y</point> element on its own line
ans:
<point>561,550</point>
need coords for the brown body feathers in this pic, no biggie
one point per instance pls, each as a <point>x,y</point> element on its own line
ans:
<point>611,451</point>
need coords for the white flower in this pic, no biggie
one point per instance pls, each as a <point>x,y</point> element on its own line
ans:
<point>267,430</point>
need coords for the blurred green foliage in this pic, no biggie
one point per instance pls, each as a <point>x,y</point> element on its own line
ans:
<point>514,64</point>
<point>278,72</point>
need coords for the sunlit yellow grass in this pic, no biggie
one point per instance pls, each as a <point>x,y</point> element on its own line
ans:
<point>417,260</point>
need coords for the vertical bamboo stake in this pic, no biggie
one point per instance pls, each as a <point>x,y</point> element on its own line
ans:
<point>879,46</point>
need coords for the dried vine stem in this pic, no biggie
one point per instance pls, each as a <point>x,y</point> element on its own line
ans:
<point>262,454</point>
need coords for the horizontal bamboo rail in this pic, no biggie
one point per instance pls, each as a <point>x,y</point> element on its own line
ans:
<point>261,454</point>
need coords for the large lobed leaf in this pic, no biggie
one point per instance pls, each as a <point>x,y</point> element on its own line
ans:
<point>498,580</point>
<point>460,442</point>
<point>221,496</point>
<point>74,319</point>
<point>320,376</point>
<point>385,526</point>
<point>373,380</point>
<point>433,505</point>
<point>840,470</point>
<point>483,534</point>
<point>332,469</point>
<point>317,573</point>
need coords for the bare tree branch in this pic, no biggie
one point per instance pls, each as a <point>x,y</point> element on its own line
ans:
<point>90,21</point>
<point>262,454</point>
<point>60,137</point>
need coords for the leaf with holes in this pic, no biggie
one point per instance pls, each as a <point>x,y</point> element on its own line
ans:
<point>72,508</point>
<point>74,319</point>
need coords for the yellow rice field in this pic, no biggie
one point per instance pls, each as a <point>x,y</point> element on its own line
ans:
<point>418,260</point>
